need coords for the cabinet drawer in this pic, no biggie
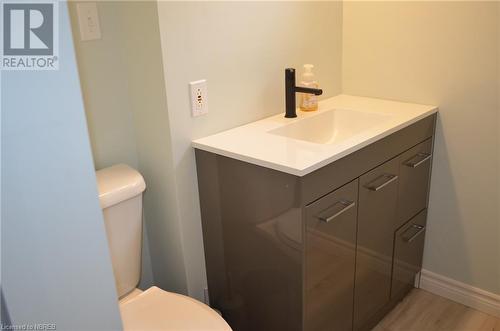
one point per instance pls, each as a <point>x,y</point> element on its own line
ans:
<point>330,260</point>
<point>408,253</point>
<point>415,166</point>
<point>378,192</point>
<point>336,174</point>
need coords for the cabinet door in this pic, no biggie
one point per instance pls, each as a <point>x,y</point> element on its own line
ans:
<point>330,260</point>
<point>415,167</point>
<point>408,253</point>
<point>378,190</point>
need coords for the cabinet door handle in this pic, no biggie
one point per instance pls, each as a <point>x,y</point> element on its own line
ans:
<point>417,160</point>
<point>335,210</point>
<point>388,178</point>
<point>420,230</point>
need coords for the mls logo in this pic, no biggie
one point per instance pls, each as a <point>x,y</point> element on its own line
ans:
<point>29,36</point>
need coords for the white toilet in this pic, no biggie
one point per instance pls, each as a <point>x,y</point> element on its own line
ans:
<point>120,194</point>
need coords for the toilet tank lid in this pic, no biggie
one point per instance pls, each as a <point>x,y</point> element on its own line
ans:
<point>118,183</point>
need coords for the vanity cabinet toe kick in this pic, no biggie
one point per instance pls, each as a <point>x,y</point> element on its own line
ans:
<point>335,249</point>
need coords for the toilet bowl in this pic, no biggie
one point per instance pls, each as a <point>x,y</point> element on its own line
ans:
<point>120,195</point>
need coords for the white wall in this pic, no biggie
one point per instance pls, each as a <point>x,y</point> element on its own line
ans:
<point>242,49</point>
<point>102,66</point>
<point>442,53</point>
<point>148,102</point>
<point>55,261</point>
<point>124,89</point>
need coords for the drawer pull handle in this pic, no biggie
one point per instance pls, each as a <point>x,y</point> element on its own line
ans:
<point>344,205</point>
<point>417,160</point>
<point>388,179</point>
<point>420,230</point>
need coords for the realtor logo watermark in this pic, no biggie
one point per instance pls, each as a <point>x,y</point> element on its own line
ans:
<point>30,35</point>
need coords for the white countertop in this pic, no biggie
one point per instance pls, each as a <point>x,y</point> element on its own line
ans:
<point>253,142</point>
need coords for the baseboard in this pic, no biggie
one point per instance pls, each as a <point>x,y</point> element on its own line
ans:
<point>467,295</point>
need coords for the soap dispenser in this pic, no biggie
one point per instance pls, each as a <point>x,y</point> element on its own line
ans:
<point>308,102</point>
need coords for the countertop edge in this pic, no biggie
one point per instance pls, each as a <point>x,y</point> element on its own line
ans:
<point>305,171</point>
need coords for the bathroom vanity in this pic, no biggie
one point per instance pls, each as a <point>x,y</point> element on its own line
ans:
<point>316,223</point>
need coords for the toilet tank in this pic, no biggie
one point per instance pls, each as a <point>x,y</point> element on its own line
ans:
<point>120,194</point>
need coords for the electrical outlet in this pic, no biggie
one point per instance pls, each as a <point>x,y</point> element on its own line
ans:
<point>199,97</point>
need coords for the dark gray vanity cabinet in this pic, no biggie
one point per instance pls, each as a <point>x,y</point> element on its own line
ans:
<point>378,198</point>
<point>415,167</point>
<point>408,253</point>
<point>335,249</point>
<point>330,252</point>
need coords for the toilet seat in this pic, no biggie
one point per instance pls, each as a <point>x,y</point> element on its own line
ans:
<point>158,310</point>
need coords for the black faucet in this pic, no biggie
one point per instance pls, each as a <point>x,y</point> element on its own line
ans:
<point>291,89</point>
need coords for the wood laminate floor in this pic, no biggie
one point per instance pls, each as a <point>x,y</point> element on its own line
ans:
<point>424,311</point>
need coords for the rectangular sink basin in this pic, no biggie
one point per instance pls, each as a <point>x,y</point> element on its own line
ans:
<point>332,126</point>
<point>298,146</point>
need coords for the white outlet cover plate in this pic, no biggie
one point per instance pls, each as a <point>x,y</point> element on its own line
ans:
<point>199,97</point>
<point>88,21</point>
